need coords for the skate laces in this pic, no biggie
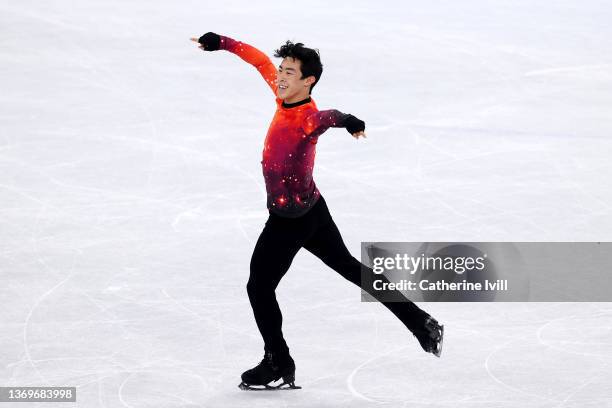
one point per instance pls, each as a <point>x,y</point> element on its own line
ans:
<point>269,360</point>
<point>433,327</point>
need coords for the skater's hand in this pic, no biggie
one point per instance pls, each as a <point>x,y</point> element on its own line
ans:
<point>355,126</point>
<point>208,42</point>
<point>199,45</point>
<point>357,135</point>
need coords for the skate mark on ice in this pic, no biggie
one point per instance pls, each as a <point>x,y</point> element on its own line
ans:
<point>40,299</point>
<point>216,322</point>
<point>543,342</point>
<point>574,392</point>
<point>504,384</point>
<point>350,378</point>
<point>120,392</point>
<point>575,68</point>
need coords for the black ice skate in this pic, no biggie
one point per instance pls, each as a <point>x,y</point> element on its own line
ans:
<point>432,337</point>
<point>272,368</point>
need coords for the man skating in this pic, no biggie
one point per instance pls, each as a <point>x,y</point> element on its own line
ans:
<point>298,215</point>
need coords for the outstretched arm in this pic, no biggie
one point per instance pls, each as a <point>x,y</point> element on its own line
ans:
<point>319,122</point>
<point>213,42</point>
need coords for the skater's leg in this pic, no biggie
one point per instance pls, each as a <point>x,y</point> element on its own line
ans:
<point>274,251</point>
<point>327,245</point>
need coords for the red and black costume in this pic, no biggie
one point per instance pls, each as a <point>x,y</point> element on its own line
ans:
<point>289,149</point>
<point>299,217</point>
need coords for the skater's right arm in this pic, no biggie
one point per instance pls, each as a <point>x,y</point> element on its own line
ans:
<point>213,42</point>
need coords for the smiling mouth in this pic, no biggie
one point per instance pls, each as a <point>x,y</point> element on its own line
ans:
<point>282,86</point>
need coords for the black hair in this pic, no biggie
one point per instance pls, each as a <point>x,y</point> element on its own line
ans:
<point>309,58</point>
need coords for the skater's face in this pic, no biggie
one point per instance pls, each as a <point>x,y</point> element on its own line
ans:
<point>291,86</point>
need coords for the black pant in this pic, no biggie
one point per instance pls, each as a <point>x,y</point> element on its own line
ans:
<point>276,247</point>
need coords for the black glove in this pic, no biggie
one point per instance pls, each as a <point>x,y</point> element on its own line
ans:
<point>210,41</point>
<point>354,125</point>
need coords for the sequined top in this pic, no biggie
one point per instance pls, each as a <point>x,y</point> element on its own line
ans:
<point>289,148</point>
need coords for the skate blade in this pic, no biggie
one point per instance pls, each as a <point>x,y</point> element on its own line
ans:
<point>284,386</point>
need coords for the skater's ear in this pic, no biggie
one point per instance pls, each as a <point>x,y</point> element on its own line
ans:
<point>309,80</point>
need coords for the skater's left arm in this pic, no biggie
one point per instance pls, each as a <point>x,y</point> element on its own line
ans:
<point>320,121</point>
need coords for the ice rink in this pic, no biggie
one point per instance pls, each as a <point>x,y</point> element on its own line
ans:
<point>131,197</point>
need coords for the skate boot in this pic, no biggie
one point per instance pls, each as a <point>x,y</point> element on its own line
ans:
<point>272,368</point>
<point>432,336</point>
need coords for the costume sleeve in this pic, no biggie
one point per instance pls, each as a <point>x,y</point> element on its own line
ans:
<point>254,57</point>
<point>317,123</point>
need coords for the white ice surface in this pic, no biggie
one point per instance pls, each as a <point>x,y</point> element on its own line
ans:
<point>131,197</point>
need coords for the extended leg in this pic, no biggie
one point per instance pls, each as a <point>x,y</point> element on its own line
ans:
<point>327,244</point>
